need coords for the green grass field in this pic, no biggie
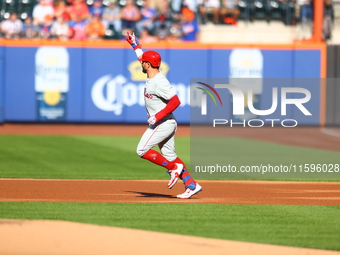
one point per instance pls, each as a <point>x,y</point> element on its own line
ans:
<point>101,157</point>
<point>303,226</point>
<point>91,157</point>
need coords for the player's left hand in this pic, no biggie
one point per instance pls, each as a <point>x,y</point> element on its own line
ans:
<point>133,40</point>
<point>152,120</point>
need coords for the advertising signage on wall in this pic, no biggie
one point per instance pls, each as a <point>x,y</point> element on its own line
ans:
<point>106,85</point>
<point>51,83</point>
<point>1,87</point>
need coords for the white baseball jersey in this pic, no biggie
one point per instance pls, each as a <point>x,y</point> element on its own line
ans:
<point>157,92</point>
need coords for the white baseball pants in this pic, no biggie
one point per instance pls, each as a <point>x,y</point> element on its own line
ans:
<point>163,135</point>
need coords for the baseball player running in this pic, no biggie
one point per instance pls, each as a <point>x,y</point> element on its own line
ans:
<point>160,101</point>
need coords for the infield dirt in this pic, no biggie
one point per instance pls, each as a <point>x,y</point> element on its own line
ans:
<point>155,191</point>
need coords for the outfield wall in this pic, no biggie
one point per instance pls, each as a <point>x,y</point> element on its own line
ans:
<point>1,86</point>
<point>103,82</point>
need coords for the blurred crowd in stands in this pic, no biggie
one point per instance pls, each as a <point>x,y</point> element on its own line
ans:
<point>102,19</point>
<point>151,20</point>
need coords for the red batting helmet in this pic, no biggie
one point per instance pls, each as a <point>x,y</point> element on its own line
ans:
<point>152,57</point>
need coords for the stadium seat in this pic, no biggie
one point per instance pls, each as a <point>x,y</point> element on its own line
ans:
<point>244,7</point>
<point>106,3</point>
<point>275,10</point>
<point>7,7</point>
<point>25,8</point>
<point>260,9</point>
<point>111,33</point>
<point>2,12</point>
<point>289,13</point>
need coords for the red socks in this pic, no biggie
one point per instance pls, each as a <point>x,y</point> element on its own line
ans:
<point>157,158</point>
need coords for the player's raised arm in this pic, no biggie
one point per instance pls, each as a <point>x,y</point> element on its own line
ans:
<point>133,41</point>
